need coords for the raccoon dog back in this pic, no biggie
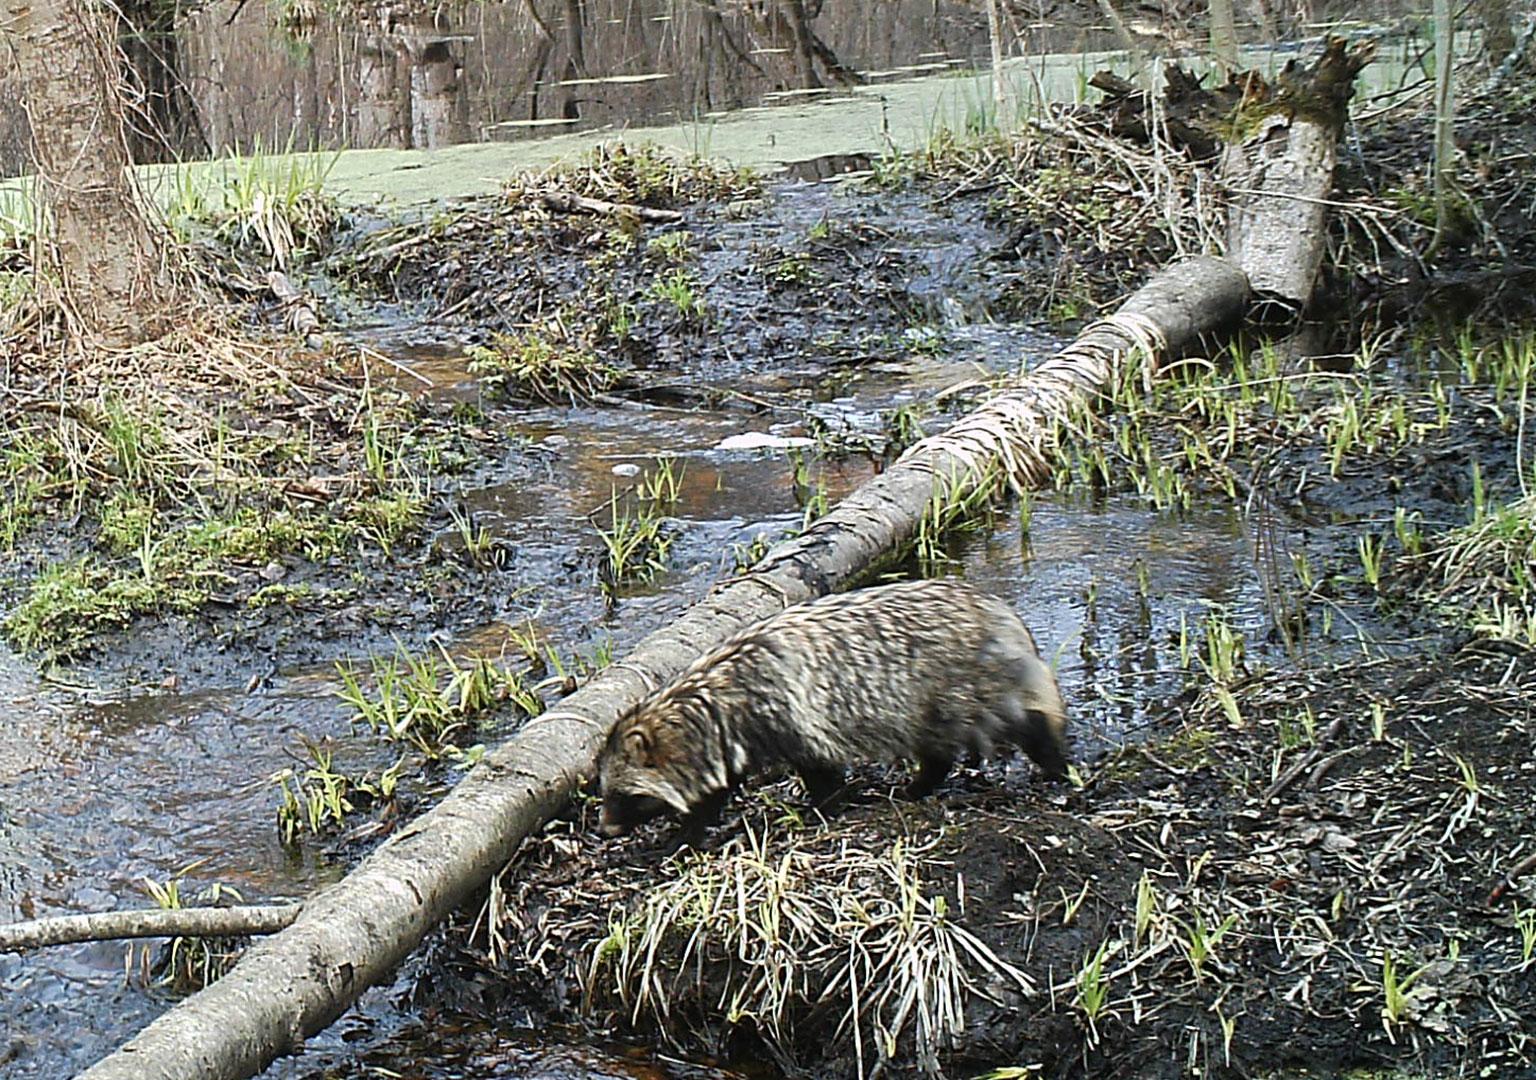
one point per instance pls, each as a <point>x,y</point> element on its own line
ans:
<point>923,671</point>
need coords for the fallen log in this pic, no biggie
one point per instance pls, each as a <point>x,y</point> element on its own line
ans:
<point>352,934</point>
<point>239,921</point>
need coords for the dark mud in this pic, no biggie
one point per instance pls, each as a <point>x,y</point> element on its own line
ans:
<point>1317,848</point>
<point>1485,265</point>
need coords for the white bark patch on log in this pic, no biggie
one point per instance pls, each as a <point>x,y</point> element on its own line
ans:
<point>1282,175</point>
<point>1277,228</point>
<point>353,934</point>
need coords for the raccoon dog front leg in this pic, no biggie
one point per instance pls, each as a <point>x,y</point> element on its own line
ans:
<point>704,815</point>
<point>932,768</point>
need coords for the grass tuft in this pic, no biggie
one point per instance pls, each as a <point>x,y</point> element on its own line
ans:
<point>868,935</point>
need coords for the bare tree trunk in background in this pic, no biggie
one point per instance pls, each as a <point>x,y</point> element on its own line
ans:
<point>163,122</point>
<point>1445,116</point>
<point>575,59</point>
<point>800,28</point>
<point>1265,19</point>
<point>381,106</point>
<point>304,133</point>
<point>999,84</point>
<point>575,36</point>
<point>1142,70</point>
<point>436,82</point>
<point>1223,35</point>
<point>1498,29</point>
<point>104,266</point>
<point>214,107</point>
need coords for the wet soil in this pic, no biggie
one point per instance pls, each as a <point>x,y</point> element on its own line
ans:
<point>1486,264</point>
<point>1375,848</point>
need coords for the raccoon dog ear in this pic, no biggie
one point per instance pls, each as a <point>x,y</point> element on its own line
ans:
<point>637,743</point>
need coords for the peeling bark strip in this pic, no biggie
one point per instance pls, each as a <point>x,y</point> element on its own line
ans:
<point>354,933</point>
<point>147,923</point>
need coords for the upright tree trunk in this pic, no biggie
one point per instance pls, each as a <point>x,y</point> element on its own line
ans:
<point>1281,175</point>
<point>383,108</point>
<point>436,84</point>
<point>1498,29</point>
<point>999,83</point>
<point>1223,36</point>
<point>104,263</point>
<point>163,125</point>
<point>1445,116</point>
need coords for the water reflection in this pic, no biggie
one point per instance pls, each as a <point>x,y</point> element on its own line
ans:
<point>237,74</point>
<point>516,69</point>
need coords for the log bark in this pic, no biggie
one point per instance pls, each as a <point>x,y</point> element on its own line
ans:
<point>354,933</point>
<point>147,923</point>
<point>1282,175</point>
<point>105,269</point>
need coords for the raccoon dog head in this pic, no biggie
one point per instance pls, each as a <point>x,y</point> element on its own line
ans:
<point>1044,733</point>
<point>637,769</point>
<point>1044,739</point>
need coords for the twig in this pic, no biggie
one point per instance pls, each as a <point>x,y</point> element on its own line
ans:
<point>567,203</point>
<point>148,922</point>
<point>1524,866</point>
<point>1308,760</point>
<point>374,354</point>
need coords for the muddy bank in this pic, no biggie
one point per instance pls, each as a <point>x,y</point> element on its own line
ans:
<point>1224,897</point>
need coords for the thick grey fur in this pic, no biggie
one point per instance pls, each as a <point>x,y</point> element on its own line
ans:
<point>922,670</point>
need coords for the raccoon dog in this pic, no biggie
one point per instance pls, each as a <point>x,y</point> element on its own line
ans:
<point>922,670</point>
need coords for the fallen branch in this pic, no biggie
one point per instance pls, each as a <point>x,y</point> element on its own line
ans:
<point>1516,872</point>
<point>566,203</point>
<point>145,923</point>
<point>1309,759</point>
<point>298,311</point>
